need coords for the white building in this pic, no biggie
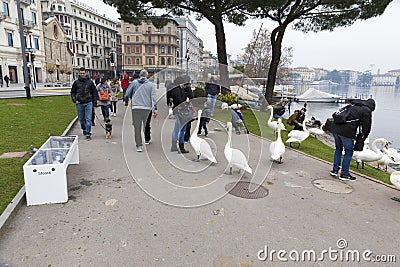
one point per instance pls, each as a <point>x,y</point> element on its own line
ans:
<point>11,62</point>
<point>91,36</point>
<point>189,45</point>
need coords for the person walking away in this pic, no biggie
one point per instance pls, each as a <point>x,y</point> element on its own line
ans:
<point>7,80</point>
<point>179,94</point>
<point>124,84</point>
<point>143,95</point>
<point>204,119</point>
<point>297,118</point>
<point>115,89</point>
<point>279,108</point>
<point>103,90</point>
<point>360,115</point>
<point>83,94</point>
<point>212,91</point>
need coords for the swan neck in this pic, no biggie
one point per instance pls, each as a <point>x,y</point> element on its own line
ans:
<point>229,143</point>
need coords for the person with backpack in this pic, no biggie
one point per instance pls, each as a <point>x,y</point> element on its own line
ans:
<point>297,118</point>
<point>115,89</point>
<point>346,121</point>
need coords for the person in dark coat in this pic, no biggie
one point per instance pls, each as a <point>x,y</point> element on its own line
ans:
<point>279,108</point>
<point>212,90</point>
<point>83,94</point>
<point>297,118</point>
<point>178,94</point>
<point>345,133</point>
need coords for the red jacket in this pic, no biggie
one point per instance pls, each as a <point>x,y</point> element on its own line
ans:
<point>124,84</point>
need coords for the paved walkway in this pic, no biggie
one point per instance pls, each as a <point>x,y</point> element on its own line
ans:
<point>110,221</point>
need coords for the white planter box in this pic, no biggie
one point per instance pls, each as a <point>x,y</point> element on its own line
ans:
<point>45,173</point>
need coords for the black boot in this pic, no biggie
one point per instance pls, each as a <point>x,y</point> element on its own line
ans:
<point>174,148</point>
<point>182,148</point>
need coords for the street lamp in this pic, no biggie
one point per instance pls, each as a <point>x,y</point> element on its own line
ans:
<point>187,60</point>
<point>158,55</point>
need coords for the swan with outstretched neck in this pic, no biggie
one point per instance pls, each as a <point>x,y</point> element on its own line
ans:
<point>277,148</point>
<point>235,157</point>
<point>274,124</point>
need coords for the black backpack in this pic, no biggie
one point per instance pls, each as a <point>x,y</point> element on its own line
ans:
<point>342,115</point>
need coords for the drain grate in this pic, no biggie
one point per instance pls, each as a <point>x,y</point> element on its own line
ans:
<point>241,189</point>
<point>333,186</point>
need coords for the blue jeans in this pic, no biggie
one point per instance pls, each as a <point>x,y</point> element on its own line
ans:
<point>105,110</point>
<point>85,111</point>
<point>212,99</point>
<point>276,116</point>
<point>178,133</point>
<point>348,145</point>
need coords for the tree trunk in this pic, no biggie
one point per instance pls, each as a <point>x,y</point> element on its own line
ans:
<point>276,43</point>
<point>221,51</point>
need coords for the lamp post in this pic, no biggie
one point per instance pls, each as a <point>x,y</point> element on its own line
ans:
<point>157,55</point>
<point>23,46</point>
<point>187,60</point>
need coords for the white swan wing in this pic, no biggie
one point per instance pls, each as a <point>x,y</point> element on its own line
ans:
<point>239,160</point>
<point>206,152</point>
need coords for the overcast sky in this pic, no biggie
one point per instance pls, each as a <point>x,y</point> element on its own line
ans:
<point>374,43</point>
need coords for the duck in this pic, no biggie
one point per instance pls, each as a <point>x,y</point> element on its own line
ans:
<point>235,157</point>
<point>277,148</point>
<point>368,155</point>
<point>274,124</point>
<point>200,146</point>
<point>296,136</point>
<point>395,180</point>
<point>316,131</point>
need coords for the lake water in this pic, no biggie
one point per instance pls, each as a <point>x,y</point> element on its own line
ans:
<point>385,118</point>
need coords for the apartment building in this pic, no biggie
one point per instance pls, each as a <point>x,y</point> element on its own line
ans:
<point>145,46</point>
<point>91,37</point>
<point>11,58</point>
<point>303,74</point>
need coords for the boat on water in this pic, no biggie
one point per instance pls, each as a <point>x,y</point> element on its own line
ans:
<point>324,82</point>
<point>317,96</point>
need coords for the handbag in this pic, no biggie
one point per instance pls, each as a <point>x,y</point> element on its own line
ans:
<point>184,112</point>
<point>359,144</point>
<point>104,96</point>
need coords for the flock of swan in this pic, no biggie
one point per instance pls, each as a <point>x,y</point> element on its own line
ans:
<point>236,158</point>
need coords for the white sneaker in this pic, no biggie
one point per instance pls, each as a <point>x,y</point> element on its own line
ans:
<point>139,149</point>
<point>147,142</point>
<point>115,114</point>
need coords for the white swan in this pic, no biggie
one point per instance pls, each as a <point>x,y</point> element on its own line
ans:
<point>395,180</point>
<point>296,136</point>
<point>277,148</point>
<point>385,160</point>
<point>393,154</point>
<point>235,106</point>
<point>200,146</point>
<point>235,157</point>
<point>224,105</point>
<point>274,124</point>
<point>316,131</point>
<point>368,155</point>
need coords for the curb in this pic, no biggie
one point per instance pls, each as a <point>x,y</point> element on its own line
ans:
<point>19,199</point>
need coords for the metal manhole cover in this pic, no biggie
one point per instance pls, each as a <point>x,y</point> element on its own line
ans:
<point>333,186</point>
<point>241,189</point>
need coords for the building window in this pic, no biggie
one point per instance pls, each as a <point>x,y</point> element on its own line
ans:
<point>169,50</point>
<point>137,38</point>
<point>5,8</point>
<point>10,39</point>
<point>34,18</point>
<point>150,61</point>
<point>162,61</point>
<point>128,39</point>
<point>149,39</point>
<point>128,29</point>
<point>79,61</point>
<point>36,41</point>
<point>169,61</point>
<point>149,49</point>
<point>169,30</point>
<point>129,60</point>
<point>148,29</point>
<point>60,8</point>
<point>162,49</point>
<point>136,29</point>
<point>137,49</point>
<point>128,49</point>
<point>138,61</point>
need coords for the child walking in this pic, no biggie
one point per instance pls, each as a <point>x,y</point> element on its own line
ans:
<point>205,118</point>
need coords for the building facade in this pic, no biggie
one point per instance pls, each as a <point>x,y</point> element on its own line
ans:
<point>91,37</point>
<point>11,61</point>
<point>145,46</point>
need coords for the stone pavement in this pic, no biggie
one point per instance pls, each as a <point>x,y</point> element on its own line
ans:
<point>110,221</point>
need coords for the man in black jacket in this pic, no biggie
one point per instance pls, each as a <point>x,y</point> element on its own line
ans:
<point>345,133</point>
<point>83,94</point>
<point>212,90</point>
<point>179,94</point>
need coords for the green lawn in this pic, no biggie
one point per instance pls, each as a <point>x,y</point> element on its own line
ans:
<point>256,123</point>
<point>25,122</point>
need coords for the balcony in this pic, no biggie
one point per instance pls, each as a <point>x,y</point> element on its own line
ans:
<point>80,39</point>
<point>28,24</point>
<point>26,2</point>
<point>2,15</point>
<point>81,52</point>
<point>69,37</point>
<point>96,55</point>
<point>66,24</point>
<point>95,43</point>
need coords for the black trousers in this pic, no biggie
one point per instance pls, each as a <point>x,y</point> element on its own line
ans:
<point>147,128</point>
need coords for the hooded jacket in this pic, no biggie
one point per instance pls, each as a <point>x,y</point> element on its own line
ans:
<point>361,111</point>
<point>84,91</point>
<point>143,94</point>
